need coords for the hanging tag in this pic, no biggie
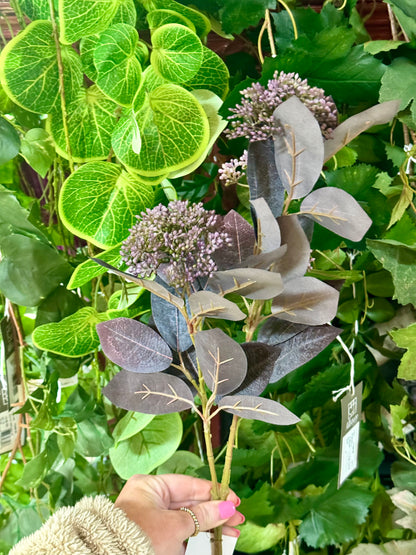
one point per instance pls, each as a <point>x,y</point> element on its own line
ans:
<point>350,433</point>
<point>9,388</point>
<point>201,545</point>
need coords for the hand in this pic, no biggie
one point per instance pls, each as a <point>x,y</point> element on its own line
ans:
<point>152,502</point>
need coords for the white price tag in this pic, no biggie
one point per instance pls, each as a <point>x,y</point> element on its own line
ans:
<point>201,545</point>
<point>350,433</point>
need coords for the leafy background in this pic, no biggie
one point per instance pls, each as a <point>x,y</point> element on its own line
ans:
<point>71,183</point>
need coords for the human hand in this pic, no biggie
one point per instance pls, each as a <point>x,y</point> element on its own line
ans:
<point>152,502</point>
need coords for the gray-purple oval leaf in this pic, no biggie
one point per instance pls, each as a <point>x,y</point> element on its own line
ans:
<point>299,148</point>
<point>252,283</point>
<point>257,408</point>
<point>265,225</point>
<point>150,394</point>
<point>306,300</point>
<point>262,175</point>
<point>261,359</point>
<point>338,211</point>
<point>295,261</point>
<point>171,324</point>
<point>133,345</point>
<point>241,245</point>
<point>221,359</point>
<point>208,304</point>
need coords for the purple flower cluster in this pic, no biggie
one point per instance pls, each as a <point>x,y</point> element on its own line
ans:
<point>178,240</point>
<point>253,118</point>
<point>229,173</point>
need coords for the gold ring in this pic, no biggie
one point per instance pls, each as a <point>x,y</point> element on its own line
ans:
<point>196,523</point>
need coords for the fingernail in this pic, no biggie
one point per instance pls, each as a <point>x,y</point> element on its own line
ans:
<point>238,533</point>
<point>242,517</point>
<point>227,509</point>
<point>238,502</point>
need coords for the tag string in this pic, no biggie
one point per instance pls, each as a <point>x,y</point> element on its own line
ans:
<point>351,388</point>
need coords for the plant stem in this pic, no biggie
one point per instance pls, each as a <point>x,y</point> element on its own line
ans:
<point>61,85</point>
<point>226,473</point>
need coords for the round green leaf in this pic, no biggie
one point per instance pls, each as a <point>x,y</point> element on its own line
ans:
<point>99,202</point>
<point>213,75</point>
<point>157,18</point>
<point>91,120</point>
<point>9,141</point>
<point>118,69</point>
<point>126,13</point>
<point>36,9</point>
<point>150,81</point>
<point>38,151</point>
<point>89,269</point>
<point>80,18</point>
<point>74,336</point>
<point>177,53</point>
<point>29,69</point>
<point>174,131</point>
<point>148,449</point>
<point>86,47</point>
<point>29,269</point>
<point>200,21</point>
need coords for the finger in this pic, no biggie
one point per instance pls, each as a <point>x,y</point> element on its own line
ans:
<point>187,490</point>
<point>209,515</point>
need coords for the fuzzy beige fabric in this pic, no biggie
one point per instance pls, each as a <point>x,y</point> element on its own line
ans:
<point>92,527</point>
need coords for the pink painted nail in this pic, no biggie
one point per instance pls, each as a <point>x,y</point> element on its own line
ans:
<point>227,509</point>
<point>238,502</point>
<point>242,517</point>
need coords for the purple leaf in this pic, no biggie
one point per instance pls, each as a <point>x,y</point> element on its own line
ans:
<point>248,282</point>
<point>299,348</point>
<point>133,345</point>
<point>150,393</point>
<point>299,149</point>
<point>353,126</point>
<point>265,225</point>
<point>306,300</point>
<point>151,286</point>
<point>265,260</point>
<point>207,304</point>
<point>261,359</point>
<point>171,324</point>
<point>338,211</point>
<point>258,408</point>
<point>275,331</point>
<point>296,260</point>
<point>262,175</point>
<point>221,359</point>
<point>242,243</point>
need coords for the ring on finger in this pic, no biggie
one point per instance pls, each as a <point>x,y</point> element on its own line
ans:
<point>193,516</point>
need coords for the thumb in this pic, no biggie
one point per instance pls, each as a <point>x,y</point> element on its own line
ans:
<point>210,515</point>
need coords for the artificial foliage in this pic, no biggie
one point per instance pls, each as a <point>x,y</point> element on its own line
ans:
<point>207,233</point>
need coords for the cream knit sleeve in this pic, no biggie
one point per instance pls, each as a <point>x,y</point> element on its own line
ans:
<point>92,527</point>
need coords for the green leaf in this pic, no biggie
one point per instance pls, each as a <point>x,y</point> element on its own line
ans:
<point>91,120</point>
<point>174,131</point>
<point>407,6</point>
<point>148,449</point>
<point>213,75</point>
<point>237,16</point>
<point>29,69</point>
<point>335,515</point>
<point>254,538</point>
<point>93,439</point>
<point>200,21</point>
<point>89,269</point>
<point>130,425</point>
<point>176,53</point>
<point>80,18</point>
<point>100,201</point>
<point>376,46</point>
<point>399,260</point>
<point>74,336</point>
<point>118,69</point>
<point>157,18</point>
<point>36,469</point>
<point>86,47</point>
<point>126,13</point>
<point>210,103</point>
<point>29,269</point>
<point>15,219</point>
<point>181,462</point>
<point>403,232</point>
<point>9,141</point>
<point>36,9</point>
<point>406,338</point>
<point>38,151</point>
<point>399,82</point>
